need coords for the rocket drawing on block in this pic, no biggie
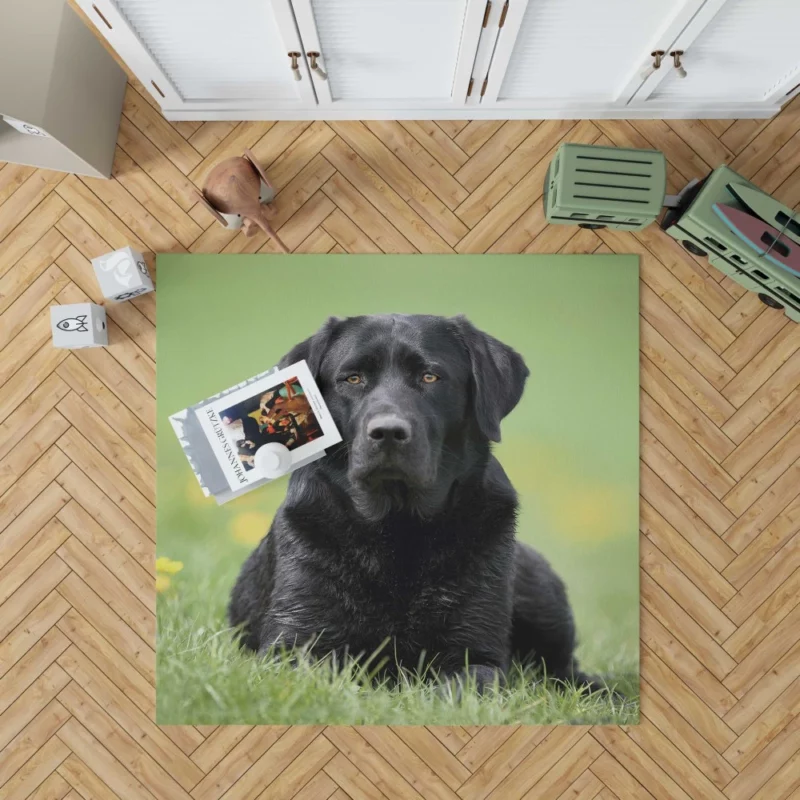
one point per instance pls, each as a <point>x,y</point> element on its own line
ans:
<point>74,324</point>
<point>78,325</point>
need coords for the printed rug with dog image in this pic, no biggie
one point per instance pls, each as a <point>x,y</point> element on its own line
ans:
<point>489,411</point>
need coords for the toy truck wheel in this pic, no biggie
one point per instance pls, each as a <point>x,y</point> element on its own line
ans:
<point>592,226</point>
<point>693,248</point>
<point>769,301</point>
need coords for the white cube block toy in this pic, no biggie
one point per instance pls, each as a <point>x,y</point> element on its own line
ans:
<point>122,274</point>
<point>78,325</point>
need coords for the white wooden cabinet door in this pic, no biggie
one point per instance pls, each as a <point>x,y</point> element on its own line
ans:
<point>390,54</point>
<point>208,55</point>
<point>556,55</point>
<point>734,51</point>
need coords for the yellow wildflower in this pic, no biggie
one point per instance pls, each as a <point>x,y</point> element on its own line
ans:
<point>168,566</point>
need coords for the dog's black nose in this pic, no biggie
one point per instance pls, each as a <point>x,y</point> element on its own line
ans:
<point>388,428</point>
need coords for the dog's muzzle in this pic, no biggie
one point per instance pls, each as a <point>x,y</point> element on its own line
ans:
<point>389,449</point>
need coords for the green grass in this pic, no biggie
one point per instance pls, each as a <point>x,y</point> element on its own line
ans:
<point>203,678</point>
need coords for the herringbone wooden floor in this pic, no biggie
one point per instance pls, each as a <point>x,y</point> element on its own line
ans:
<point>720,504</point>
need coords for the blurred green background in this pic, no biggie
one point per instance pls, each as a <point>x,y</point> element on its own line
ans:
<point>571,447</point>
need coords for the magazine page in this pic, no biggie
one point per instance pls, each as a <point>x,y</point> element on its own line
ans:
<point>285,407</point>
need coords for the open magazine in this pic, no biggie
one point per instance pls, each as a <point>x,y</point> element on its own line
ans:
<point>221,435</point>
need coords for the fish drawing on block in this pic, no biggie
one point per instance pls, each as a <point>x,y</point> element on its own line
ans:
<point>763,238</point>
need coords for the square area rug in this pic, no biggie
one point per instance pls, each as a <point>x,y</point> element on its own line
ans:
<point>407,575</point>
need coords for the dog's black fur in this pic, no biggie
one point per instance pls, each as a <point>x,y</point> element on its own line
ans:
<point>406,529</point>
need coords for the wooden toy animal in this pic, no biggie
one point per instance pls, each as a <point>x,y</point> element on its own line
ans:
<point>237,193</point>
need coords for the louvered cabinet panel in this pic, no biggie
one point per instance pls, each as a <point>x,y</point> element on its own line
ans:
<point>394,52</point>
<point>580,51</point>
<point>749,51</point>
<point>209,49</point>
<point>206,52</point>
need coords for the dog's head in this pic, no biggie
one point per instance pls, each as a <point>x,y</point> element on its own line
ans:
<point>416,399</point>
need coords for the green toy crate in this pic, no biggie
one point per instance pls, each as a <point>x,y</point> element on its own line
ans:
<point>695,224</point>
<point>598,187</point>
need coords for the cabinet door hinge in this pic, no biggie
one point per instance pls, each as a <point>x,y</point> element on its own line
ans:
<point>486,13</point>
<point>483,88</point>
<point>503,15</point>
<point>469,88</point>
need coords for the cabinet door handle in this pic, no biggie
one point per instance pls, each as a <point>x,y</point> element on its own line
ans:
<point>676,60</point>
<point>295,66</point>
<point>657,55</point>
<point>313,56</point>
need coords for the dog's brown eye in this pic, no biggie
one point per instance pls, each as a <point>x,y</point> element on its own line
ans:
<point>429,377</point>
<point>354,379</point>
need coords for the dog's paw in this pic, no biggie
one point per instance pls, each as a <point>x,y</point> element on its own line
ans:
<point>483,679</point>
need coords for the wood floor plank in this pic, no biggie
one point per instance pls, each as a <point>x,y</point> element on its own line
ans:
<point>691,346</point>
<point>26,198</point>
<point>109,443</point>
<point>30,267</point>
<point>762,402</point>
<point>12,176</point>
<point>768,616</point>
<point>378,228</point>
<point>476,133</point>
<point>152,197</point>
<point>209,135</point>
<point>673,292</point>
<point>680,734</point>
<point>159,131</point>
<point>492,153</point>
<point>380,159</point>
<point>272,763</point>
<point>685,412</point>
<point>761,586</point>
<point>106,769</point>
<point>125,731</point>
<point>28,739</point>
<point>153,161</point>
<point>684,375</point>
<point>409,217</point>
<point>682,449</point>
<point>684,520</point>
<point>685,557</point>
<point>687,703</point>
<point>236,762</point>
<point>91,462</point>
<point>427,169</point>
<point>437,143</point>
<point>684,592</point>
<point>535,147</point>
<point>31,593</point>
<point>757,699</point>
<point>690,634</point>
<point>109,661</point>
<point>768,725</point>
<point>37,770</point>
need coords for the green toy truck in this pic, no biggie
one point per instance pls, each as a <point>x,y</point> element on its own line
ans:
<point>701,231</point>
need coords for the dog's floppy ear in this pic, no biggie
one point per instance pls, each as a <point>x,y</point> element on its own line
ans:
<point>312,349</point>
<point>498,376</point>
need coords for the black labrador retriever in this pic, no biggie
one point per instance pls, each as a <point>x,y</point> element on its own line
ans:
<point>406,529</point>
